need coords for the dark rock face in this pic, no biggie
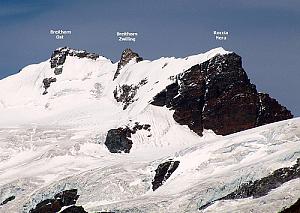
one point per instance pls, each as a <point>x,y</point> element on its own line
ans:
<point>295,208</point>
<point>270,110</point>
<point>126,56</point>
<point>74,209</point>
<point>230,99</point>
<point>263,186</point>
<point>126,93</point>
<point>59,55</point>
<point>65,198</point>
<point>163,172</point>
<point>218,95</point>
<point>47,82</point>
<point>118,140</point>
<point>7,200</point>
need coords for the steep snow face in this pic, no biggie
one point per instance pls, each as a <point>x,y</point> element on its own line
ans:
<point>55,141</point>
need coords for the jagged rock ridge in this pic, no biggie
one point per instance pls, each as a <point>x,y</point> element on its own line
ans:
<point>127,55</point>
<point>218,95</point>
<point>59,55</point>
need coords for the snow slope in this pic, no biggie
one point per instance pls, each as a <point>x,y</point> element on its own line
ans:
<point>53,142</point>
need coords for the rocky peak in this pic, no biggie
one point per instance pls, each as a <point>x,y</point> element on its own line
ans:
<point>126,56</point>
<point>218,95</point>
<point>59,55</point>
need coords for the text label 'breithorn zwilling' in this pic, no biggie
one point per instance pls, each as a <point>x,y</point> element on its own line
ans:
<point>127,36</point>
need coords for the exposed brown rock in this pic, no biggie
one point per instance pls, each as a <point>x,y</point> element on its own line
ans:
<point>218,95</point>
<point>230,99</point>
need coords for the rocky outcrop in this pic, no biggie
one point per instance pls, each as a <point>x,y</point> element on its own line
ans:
<point>74,209</point>
<point>127,55</point>
<point>65,198</point>
<point>47,82</point>
<point>58,70</point>
<point>118,140</point>
<point>126,93</point>
<point>269,110</point>
<point>59,56</point>
<point>186,97</point>
<point>7,200</point>
<point>263,186</point>
<point>163,172</point>
<point>295,208</point>
<point>218,95</point>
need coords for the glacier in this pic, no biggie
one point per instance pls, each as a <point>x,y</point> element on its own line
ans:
<point>55,142</point>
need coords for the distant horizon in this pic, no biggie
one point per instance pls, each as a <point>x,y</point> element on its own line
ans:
<point>265,35</point>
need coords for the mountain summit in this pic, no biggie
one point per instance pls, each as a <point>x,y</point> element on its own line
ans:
<point>81,133</point>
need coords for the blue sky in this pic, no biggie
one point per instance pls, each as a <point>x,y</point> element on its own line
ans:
<point>265,33</point>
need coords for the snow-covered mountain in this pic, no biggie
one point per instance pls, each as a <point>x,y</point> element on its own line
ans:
<point>79,133</point>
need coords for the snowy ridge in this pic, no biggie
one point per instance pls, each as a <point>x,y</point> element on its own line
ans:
<point>55,142</point>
